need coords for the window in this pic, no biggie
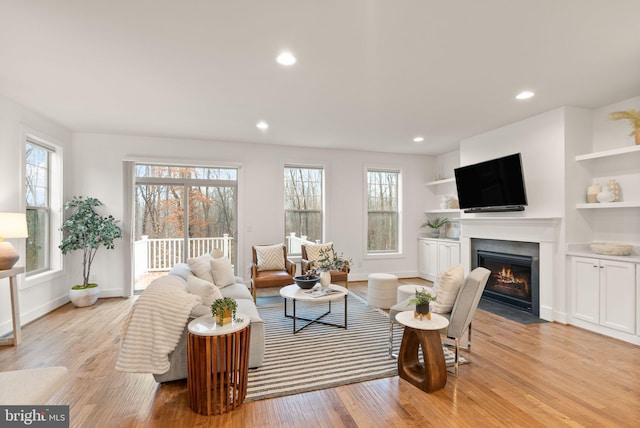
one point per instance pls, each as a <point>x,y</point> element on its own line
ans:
<point>383,208</point>
<point>38,202</point>
<point>182,212</point>
<point>303,206</point>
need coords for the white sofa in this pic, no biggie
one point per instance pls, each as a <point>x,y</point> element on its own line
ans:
<point>246,305</point>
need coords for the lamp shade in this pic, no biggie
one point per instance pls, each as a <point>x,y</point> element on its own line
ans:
<point>12,225</point>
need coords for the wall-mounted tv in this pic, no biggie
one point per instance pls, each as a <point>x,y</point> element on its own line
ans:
<point>492,186</point>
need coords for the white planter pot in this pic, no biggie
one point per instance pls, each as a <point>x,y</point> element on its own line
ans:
<point>84,297</point>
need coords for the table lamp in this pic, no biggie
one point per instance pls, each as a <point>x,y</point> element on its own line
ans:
<point>12,225</point>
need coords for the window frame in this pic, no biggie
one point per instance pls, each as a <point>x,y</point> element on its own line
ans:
<point>378,254</point>
<point>53,256</point>
<point>322,210</point>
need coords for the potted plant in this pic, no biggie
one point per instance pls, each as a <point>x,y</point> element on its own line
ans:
<point>87,230</point>
<point>421,300</point>
<point>224,310</point>
<point>329,260</point>
<point>632,116</point>
<point>435,225</point>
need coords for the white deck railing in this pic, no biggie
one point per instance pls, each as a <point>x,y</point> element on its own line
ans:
<point>294,244</point>
<point>159,255</point>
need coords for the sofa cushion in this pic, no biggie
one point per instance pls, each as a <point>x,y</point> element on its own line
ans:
<point>205,289</point>
<point>182,270</point>
<point>237,291</point>
<point>201,267</point>
<point>270,257</point>
<point>446,288</point>
<point>313,250</point>
<point>222,272</point>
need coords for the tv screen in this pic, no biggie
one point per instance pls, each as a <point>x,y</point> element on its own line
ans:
<point>493,185</point>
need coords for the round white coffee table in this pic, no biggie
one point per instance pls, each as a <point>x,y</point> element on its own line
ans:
<point>425,334</point>
<point>315,295</point>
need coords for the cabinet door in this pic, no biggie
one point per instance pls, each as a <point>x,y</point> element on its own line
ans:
<point>618,295</point>
<point>585,274</point>
<point>428,263</point>
<point>448,255</point>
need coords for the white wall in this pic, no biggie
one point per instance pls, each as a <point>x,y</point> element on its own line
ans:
<point>37,296</point>
<point>99,160</point>
<point>540,140</point>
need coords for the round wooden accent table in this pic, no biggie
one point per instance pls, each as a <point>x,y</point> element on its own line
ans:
<point>217,364</point>
<point>432,375</point>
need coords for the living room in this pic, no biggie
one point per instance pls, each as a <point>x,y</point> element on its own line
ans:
<point>548,137</point>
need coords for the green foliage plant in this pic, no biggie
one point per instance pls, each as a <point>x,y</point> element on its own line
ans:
<point>436,223</point>
<point>87,230</point>
<point>220,306</point>
<point>330,260</point>
<point>422,297</point>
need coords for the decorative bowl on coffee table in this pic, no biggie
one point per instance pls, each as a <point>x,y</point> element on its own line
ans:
<point>304,282</point>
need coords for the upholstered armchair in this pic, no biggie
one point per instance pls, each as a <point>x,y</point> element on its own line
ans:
<point>270,267</point>
<point>313,254</point>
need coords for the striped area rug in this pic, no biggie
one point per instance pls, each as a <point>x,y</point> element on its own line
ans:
<point>322,356</point>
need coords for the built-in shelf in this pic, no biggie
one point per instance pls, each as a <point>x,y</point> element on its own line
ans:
<point>608,205</point>
<point>609,153</point>
<point>440,211</point>
<point>443,181</point>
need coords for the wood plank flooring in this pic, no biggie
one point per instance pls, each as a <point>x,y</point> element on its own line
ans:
<point>541,375</point>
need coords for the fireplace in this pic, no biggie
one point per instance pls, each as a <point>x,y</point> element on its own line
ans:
<point>514,278</point>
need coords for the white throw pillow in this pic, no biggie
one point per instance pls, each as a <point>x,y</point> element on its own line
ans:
<point>200,311</point>
<point>201,267</point>
<point>446,288</point>
<point>222,272</point>
<point>313,250</point>
<point>270,257</point>
<point>203,288</point>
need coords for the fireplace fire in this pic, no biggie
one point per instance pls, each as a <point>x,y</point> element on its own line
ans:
<point>510,280</point>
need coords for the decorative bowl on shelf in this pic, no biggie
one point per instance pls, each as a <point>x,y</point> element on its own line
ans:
<point>304,282</point>
<point>611,248</point>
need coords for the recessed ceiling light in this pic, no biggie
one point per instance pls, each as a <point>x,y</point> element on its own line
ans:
<point>418,139</point>
<point>262,125</point>
<point>286,58</point>
<point>524,95</point>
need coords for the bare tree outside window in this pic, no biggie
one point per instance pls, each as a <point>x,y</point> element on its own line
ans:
<point>382,211</point>
<point>37,176</point>
<point>303,204</point>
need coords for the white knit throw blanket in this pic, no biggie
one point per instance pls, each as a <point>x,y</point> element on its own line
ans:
<point>154,326</point>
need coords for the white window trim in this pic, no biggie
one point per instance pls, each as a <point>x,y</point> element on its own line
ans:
<point>56,202</point>
<point>399,254</point>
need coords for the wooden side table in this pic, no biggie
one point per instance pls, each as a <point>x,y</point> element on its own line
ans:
<point>217,364</point>
<point>432,375</point>
<point>15,306</point>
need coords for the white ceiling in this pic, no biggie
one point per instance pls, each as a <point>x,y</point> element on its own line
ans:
<point>370,75</point>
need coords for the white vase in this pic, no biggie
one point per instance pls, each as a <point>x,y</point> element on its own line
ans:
<point>325,278</point>
<point>606,195</point>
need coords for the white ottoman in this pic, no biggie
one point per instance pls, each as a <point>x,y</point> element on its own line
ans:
<point>382,289</point>
<point>409,290</point>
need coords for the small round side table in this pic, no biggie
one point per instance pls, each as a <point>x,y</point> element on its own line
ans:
<point>432,375</point>
<point>217,364</point>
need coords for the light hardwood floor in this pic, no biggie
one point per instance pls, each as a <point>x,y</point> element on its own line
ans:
<point>542,375</point>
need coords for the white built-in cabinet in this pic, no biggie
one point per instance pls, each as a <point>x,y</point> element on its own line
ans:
<point>436,255</point>
<point>605,293</point>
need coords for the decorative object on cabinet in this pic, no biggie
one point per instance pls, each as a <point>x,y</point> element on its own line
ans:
<point>611,248</point>
<point>435,225</point>
<point>605,195</point>
<point>615,189</point>
<point>592,193</point>
<point>452,230</point>
<point>632,116</point>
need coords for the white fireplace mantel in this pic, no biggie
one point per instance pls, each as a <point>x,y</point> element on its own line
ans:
<point>543,230</point>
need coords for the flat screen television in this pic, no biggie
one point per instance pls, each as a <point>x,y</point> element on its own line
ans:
<point>492,186</point>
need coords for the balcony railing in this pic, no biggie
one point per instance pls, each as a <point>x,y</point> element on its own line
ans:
<point>160,255</point>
